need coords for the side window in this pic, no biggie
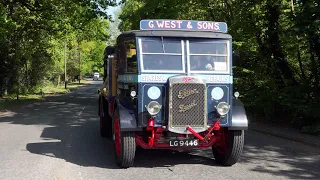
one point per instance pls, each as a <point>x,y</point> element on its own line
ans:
<point>131,57</point>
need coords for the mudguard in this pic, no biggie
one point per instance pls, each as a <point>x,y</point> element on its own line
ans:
<point>127,119</point>
<point>239,116</point>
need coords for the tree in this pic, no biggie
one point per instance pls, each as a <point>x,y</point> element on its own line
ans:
<point>278,66</point>
<point>32,33</point>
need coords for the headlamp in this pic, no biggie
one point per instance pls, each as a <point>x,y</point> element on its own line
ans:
<point>223,108</point>
<point>153,108</point>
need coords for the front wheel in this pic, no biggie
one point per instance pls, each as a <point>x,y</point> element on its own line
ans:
<point>124,144</point>
<point>229,152</point>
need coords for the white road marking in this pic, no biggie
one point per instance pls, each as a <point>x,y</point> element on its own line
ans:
<point>81,111</point>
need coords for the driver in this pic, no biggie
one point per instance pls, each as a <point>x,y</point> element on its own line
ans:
<point>199,63</point>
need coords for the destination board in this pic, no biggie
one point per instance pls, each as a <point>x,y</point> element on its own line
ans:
<point>186,25</point>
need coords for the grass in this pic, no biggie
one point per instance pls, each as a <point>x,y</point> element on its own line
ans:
<point>11,100</point>
<point>55,90</point>
<point>61,90</point>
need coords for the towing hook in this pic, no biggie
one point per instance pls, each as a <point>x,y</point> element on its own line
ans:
<point>194,133</point>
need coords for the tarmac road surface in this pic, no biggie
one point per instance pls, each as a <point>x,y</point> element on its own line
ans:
<point>59,139</point>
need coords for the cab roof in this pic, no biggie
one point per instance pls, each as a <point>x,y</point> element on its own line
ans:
<point>172,33</point>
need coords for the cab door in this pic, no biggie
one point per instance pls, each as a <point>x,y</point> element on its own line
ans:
<point>127,74</point>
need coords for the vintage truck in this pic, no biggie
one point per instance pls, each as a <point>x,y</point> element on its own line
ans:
<point>169,85</point>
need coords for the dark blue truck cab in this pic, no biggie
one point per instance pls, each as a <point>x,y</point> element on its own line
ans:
<point>169,85</point>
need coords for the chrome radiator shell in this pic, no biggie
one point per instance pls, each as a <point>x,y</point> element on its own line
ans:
<point>187,104</point>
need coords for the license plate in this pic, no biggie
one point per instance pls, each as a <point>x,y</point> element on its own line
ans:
<point>183,143</point>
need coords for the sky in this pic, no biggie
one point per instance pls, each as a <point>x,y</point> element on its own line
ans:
<point>112,9</point>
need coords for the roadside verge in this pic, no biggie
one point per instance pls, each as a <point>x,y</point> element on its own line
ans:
<point>286,133</point>
<point>11,102</point>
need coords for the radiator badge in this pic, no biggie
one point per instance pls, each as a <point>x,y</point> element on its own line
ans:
<point>185,93</point>
<point>184,108</point>
<point>187,79</point>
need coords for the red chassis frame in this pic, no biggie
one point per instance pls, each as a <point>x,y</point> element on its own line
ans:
<point>157,132</point>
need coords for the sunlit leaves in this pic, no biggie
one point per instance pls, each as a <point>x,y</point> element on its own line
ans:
<point>32,33</point>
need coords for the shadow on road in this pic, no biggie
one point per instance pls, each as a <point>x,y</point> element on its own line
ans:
<point>169,158</point>
<point>71,132</point>
<point>267,155</point>
<point>81,147</point>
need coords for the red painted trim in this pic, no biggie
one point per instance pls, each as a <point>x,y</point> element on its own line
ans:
<point>150,124</point>
<point>117,133</point>
<point>187,79</point>
<point>194,133</point>
<point>151,139</point>
<point>111,108</point>
<point>150,127</point>
<point>156,133</point>
<point>222,146</point>
<point>216,125</point>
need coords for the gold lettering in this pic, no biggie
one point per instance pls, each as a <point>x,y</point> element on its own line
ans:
<point>184,108</point>
<point>185,93</point>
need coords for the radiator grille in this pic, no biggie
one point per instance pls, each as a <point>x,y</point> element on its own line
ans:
<point>187,105</point>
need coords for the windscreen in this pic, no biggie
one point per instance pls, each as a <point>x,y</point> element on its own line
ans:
<point>208,56</point>
<point>160,54</point>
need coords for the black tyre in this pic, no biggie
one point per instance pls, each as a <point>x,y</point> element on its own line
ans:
<point>124,144</point>
<point>230,154</point>
<point>99,99</point>
<point>105,120</point>
<point>103,128</point>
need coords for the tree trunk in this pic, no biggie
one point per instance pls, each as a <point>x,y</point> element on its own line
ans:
<point>59,81</point>
<point>265,57</point>
<point>303,75</point>
<point>273,40</point>
<point>316,51</point>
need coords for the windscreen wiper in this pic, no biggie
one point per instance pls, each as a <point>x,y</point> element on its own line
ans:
<point>162,45</point>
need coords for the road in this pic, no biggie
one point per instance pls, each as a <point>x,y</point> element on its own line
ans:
<point>59,139</point>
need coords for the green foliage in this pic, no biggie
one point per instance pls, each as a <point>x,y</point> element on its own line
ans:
<point>32,37</point>
<point>277,69</point>
<point>113,30</point>
<point>311,129</point>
